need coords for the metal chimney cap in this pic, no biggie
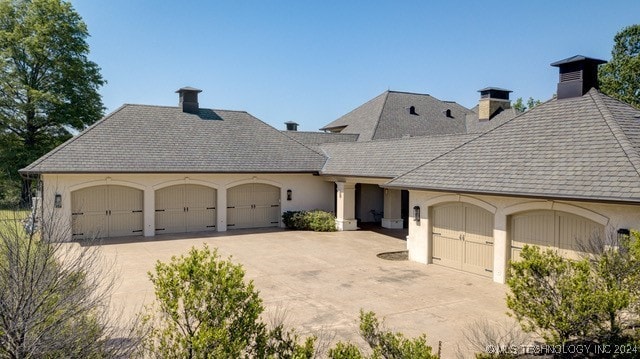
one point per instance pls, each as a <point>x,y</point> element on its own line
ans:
<point>578,58</point>
<point>188,89</point>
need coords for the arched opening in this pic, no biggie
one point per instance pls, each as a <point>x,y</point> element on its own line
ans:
<point>253,205</point>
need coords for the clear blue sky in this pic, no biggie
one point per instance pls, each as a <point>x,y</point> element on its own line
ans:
<point>313,61</point>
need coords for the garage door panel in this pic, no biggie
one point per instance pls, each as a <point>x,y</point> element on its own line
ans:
<point>478,225</point>
<point>106,211</point>
<point>463,237</point>
<point>201,220</point>
<point>478,258</point>
<point>557,230</point>
<point>253,205</point>
<point>170,198</point>
<point>185,208</point>
<point>447,251</point>
<point>534,228</point>
<point>448,220</point>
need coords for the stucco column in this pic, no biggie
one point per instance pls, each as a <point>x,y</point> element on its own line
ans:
<point>500,247</point>
<point>346,206</point>
<point>149,210</point>
<point>221,210</point>
<point>392,209</point>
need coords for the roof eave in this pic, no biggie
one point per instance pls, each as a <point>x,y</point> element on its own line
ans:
<point>628,201</point>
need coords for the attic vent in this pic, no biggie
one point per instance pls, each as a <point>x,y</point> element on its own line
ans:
<point>412,110</point>
<point>570,76</point>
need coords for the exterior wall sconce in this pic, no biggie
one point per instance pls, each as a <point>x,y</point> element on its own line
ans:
<point>289,195</point>
<point>416,213</point>
<point>57,201</point>
<point>623,232</point>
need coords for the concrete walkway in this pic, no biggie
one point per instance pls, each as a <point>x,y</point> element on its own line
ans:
<point>322,280</point>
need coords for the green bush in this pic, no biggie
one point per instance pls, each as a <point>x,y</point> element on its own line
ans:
<point>316,220</point>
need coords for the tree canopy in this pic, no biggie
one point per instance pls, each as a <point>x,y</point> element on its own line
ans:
<point>620,77</point>
<point>48,86</point>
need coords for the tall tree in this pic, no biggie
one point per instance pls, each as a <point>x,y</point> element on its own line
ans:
<point>48,87</point>
<point>620,77</point>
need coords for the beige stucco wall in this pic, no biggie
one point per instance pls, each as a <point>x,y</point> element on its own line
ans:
<point>612,216</point>
<point>308,191</point>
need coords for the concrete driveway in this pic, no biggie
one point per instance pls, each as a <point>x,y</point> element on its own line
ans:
<point>322,280</point>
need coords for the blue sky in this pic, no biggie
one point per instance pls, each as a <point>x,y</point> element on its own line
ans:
<point>313,61</point>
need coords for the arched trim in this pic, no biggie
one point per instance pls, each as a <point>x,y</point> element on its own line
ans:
<point>557,206</point>
<point>106,182</point>
<point>253,180</point>
<point>461,198</point>
<point>186,180</point>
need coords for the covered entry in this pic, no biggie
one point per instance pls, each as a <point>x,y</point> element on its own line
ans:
<point>106,211</point>
<point>558,230</point>
<point>463,237</point>
<point>185,208</point>
<point>253,205</point>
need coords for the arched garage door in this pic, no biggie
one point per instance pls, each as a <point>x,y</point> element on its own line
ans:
<point>463,237</point>
<point>552,229</point>
<point>253,205</point>
<point>106,211</point>
<point>185,208</point>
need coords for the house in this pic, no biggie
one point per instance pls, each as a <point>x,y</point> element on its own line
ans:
<point>472,185</point>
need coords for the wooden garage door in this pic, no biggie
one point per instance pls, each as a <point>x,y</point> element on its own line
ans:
<point>253,205</point>
<point>463,237</point>
<point>106,211</point>
<point>185,208</point>
<point>552,229</point>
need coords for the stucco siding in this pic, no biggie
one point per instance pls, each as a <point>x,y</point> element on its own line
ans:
<point>308,192</point>
<point>611,216</point>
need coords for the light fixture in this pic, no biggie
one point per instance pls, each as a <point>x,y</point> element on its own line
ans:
<point>57,201</point>
<point>416,213</point>
<point>289,195</point>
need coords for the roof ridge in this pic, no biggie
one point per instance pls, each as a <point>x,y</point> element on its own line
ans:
<point>614,127</point>
<point>178,107</point>
<point>74,138</point>
<point>384,104</point>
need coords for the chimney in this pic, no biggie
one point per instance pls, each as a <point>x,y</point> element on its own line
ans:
<point>189,99</point>
<point>291,126</point>
<point>578,74</point>
<point>493,100</point>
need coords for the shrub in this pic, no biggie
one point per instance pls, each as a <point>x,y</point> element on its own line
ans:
<point>384,343</point>
<point>316,220</point>
<point>206,310</point>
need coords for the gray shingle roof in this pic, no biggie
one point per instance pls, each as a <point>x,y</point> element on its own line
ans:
<point>137,138</point>
<point>579,148</point>
<point>387,116</point>
<point>386,158</point>
<point>316,138</point>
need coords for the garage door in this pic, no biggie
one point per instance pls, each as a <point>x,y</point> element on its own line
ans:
<point>253,205</point>
<point>463,237</point>
<point>552,229</point>
<point>185,208</point>
<point>106,211</point>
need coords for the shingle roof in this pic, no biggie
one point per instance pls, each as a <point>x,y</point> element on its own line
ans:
<point>577,148</point>
<point>386,158</point>
<point>316,138</point>
<point>387,116</point>
<point>137,138</point>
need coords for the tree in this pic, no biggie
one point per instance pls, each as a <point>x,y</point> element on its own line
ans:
<point>48,87</point>
<point>54,298</point>
<point>620,77</point>
<point>205,309</point>
<point>521,107</point>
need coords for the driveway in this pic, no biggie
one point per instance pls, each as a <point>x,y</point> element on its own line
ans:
<point>322,280</point>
